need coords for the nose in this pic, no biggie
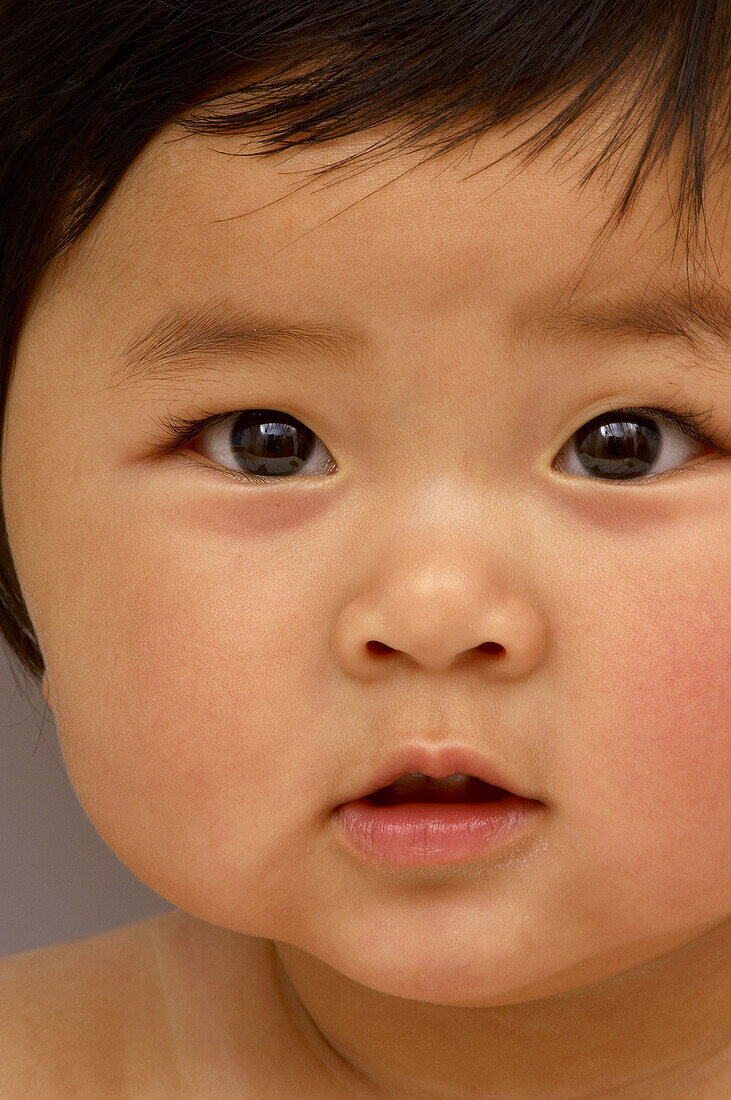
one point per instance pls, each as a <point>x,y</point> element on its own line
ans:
<point>438,621</point>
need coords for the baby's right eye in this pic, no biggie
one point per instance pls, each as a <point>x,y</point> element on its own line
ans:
<point>633,444</point>
<point>260,445</point>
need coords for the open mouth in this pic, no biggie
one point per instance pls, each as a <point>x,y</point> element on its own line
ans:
<point>417,820</point>
<point>416,787</point>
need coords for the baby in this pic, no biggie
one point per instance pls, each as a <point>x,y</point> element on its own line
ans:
<point>366,425</point>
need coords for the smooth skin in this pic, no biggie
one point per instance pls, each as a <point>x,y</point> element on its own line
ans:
<point>209,642</point>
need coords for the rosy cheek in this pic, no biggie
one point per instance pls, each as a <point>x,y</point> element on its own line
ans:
<point>677,698</point>
<point>667,806</point>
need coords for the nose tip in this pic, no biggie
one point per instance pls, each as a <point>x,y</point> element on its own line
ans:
<point>505,638</point>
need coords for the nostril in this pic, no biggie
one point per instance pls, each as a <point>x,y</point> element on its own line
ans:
<point>378,647</point>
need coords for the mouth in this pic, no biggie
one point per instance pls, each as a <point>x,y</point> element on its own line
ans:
<point>430,807</point>
<point>412,823</point>
<point>417,787</point>
<point>446,774</point>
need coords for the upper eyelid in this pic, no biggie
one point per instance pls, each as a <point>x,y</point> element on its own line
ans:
<point>684,420</point>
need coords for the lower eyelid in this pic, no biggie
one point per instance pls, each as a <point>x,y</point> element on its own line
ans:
<point>687,468</point>
<point>249,479</point>
<point>192,463</point>
<point>244,478</point>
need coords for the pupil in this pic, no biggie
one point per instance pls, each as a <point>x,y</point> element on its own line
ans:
<point>271,446</point>
<point>618,448</point>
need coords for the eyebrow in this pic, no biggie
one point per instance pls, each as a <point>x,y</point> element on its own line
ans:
<point>215,330</point>
<point>694,319</point>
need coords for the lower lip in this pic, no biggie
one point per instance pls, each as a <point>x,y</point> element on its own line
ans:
<point>420,833</point>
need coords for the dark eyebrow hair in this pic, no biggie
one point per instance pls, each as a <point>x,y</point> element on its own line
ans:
<point>695,321</point>
<point>220,328</point>
<point>696,318</point>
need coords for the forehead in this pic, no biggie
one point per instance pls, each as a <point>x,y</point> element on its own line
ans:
<point>198,214</point>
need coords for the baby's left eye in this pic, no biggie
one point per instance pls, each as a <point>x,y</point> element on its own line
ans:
<point>635,444</point>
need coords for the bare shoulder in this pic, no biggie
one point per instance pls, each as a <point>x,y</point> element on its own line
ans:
<point>79,1016</point>
<point>146,1010</point>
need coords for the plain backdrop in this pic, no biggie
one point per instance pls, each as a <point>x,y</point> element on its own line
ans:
<point>59,880</point>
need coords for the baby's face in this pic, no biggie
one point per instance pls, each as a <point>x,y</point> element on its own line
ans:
<point>211,642</point>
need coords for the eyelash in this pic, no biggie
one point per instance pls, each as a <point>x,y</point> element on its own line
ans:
<point>180,430</point>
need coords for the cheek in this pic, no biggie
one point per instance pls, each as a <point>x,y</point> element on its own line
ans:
<point>654,804</point>
<point>190,753</point>
<point>676,705</point>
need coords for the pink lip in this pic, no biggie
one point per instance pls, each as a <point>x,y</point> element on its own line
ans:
<point>420,833</point>
<point>438,763</point>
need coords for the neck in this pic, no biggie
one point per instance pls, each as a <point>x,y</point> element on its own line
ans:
<point>662,1025</point>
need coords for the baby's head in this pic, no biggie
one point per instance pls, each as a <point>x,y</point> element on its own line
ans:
<point>472,498</point>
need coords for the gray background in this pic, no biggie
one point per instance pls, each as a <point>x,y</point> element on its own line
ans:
<point>58,879</point>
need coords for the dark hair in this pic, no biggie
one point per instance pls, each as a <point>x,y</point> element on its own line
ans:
<point>84,84</point>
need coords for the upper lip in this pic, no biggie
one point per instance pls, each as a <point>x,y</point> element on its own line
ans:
<point>437,763</point>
